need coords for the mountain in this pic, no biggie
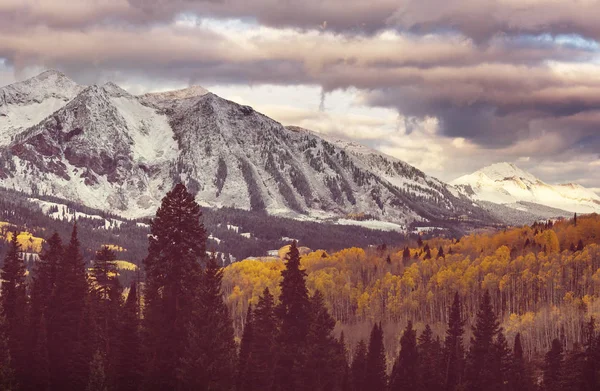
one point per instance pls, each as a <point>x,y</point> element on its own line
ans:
<point>107,149</point>
<point>506,184</point>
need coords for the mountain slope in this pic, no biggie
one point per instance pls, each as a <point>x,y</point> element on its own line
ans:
<point>113,151</point>
<point>505,183</point>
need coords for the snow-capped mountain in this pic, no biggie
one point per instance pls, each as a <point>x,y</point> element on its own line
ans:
<point>505,183</point>
<point>110,150</point>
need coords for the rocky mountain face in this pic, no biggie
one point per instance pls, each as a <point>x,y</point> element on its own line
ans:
<point>506,184</point>
<point>107,149</point>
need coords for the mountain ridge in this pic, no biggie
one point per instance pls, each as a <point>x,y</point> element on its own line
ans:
<point>114,151</point>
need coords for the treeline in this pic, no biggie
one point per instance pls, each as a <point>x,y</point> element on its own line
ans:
<point>543,280</point>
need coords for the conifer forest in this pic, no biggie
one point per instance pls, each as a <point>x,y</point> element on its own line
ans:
<point>508,310</point>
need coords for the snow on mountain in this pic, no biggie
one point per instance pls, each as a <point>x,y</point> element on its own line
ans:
<point>26,103</point>
<point>113,151</point>
<point>505,183</point>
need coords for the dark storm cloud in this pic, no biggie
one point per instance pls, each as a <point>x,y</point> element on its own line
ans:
<point>500,74</point>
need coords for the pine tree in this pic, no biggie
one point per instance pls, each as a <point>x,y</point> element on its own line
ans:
<point>262,345</point>
<point>342,365</point>
<point>376,377</point>
<point>177,248</point>
<point>483,370</point>
<point>405,255</point>
<point>553,367</point>
<point>405,376</point>
<point>106,299</point>
<point>358,368</point>
<point>243,382</point>
<point>453,347</point>
<point>580,245</point>
<point>503,360</point>
<point>321,368</point>
<point>293,314</point>
<point>430,376</point>
<point>42,312</point>
<point>591,366</point>
<point>519,378</point>
<point>70,347</point>
<point>7,374</point>
<point>128,369</point>
<point>209,357</point>
<point>441,252</point>
<point>13,303</point>
<point>97,380</point>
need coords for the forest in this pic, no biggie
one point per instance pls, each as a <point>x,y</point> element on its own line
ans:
<point>511,310</point>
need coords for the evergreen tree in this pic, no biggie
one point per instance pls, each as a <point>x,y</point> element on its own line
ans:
<point>128,369</point>
<point>13,303</point>
<point>262,345</point>
<point>405,255</point>
<point>321,368</point>
<point>69,345</point>
<point>519,378</point>
<point>441,252</point>
<point>503,360</point>
<point>580,245</point>
<point>453,347</point>
<point>293,314</point>
<point>430,376</point>
<point>43,313</point>
<point>483,369</point>
<point>553,367</point>
<point>591,365</point>
<point>405,376</point>
<point>106,295</point>
<point>97,380</point>
<point>243,381</point>
<point>210,355</point>
<point>376,377</point>
<point>7,374</point>
<point>176,250</point>
<point>358,368</point>
<point>342,365</point>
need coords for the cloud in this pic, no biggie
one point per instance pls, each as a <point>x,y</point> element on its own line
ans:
<point>476,81</point>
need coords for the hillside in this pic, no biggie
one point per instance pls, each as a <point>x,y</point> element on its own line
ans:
<point>107,149</point>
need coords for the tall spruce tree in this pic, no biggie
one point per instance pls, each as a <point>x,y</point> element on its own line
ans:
<point>209,358</point>
<point>43,313</point>
<point>106,300</point>
<point>483,369</point>
<point>262,344</point>
<point>553,367</point>
<point>128,369</point>
<point>520,378</point>
<point>502,360</point>
<point>405,376</point>
<point>176,250</point>
<point>321,368</point>
<point>7,374</point>
<point>293,314</point>
<point>454,361</point>
<point>13,303</point>
<point>358,368</point>
<point>591,365</point>
<point>430,361</point>
<point>70,343</point>
<point>376,377</point>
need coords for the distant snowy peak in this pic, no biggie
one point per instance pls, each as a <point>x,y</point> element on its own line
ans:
<point>26,103</point>
<point>505,183</point>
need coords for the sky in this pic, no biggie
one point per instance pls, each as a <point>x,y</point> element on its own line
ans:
<point>446,85</point>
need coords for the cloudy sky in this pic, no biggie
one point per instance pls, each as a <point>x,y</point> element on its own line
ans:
<point>446,85</point>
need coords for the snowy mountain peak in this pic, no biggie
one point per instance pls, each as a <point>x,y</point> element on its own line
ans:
<point>166,98</point>
<point>505,183</point>
<point>502,171</point>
